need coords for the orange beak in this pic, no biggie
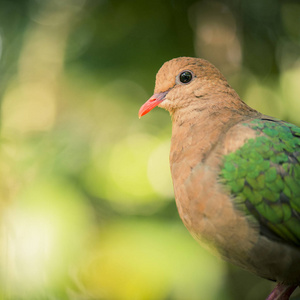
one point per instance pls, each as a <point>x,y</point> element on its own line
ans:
<point>155,100</point>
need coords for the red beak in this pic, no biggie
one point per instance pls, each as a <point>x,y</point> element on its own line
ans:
<point>152,102</point>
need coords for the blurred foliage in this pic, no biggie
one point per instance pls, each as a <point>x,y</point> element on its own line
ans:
<point>87,205</point>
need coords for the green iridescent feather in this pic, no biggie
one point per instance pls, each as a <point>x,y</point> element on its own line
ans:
<point>264,178</point>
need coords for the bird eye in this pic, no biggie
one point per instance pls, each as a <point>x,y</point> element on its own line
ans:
<point>185,76</point>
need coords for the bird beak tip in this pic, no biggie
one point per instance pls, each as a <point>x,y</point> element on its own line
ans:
<point>155,100</point>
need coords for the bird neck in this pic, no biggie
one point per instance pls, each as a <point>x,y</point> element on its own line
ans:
<point>201,127</point>
<point>219,105</point>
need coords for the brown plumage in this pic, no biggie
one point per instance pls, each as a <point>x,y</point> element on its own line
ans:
<point>209,123</point>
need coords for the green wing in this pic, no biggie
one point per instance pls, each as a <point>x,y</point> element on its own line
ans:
<point>264,178</point>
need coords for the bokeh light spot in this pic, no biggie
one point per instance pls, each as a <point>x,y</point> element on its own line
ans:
<point>159,170</point>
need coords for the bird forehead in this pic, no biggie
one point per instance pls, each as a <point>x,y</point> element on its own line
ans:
<point>165,79</point>
<point>166,76</point>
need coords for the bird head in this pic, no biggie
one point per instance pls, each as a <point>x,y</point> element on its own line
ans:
<point>181,81</point>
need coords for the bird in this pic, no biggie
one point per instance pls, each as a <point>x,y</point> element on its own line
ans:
<point>235,172</point>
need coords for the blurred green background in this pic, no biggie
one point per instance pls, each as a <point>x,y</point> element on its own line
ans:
<point>87,208</point>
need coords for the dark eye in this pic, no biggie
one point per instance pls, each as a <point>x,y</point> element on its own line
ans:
<point>185,76</point>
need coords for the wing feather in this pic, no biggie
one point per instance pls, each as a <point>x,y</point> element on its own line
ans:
<point>263,177</point>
